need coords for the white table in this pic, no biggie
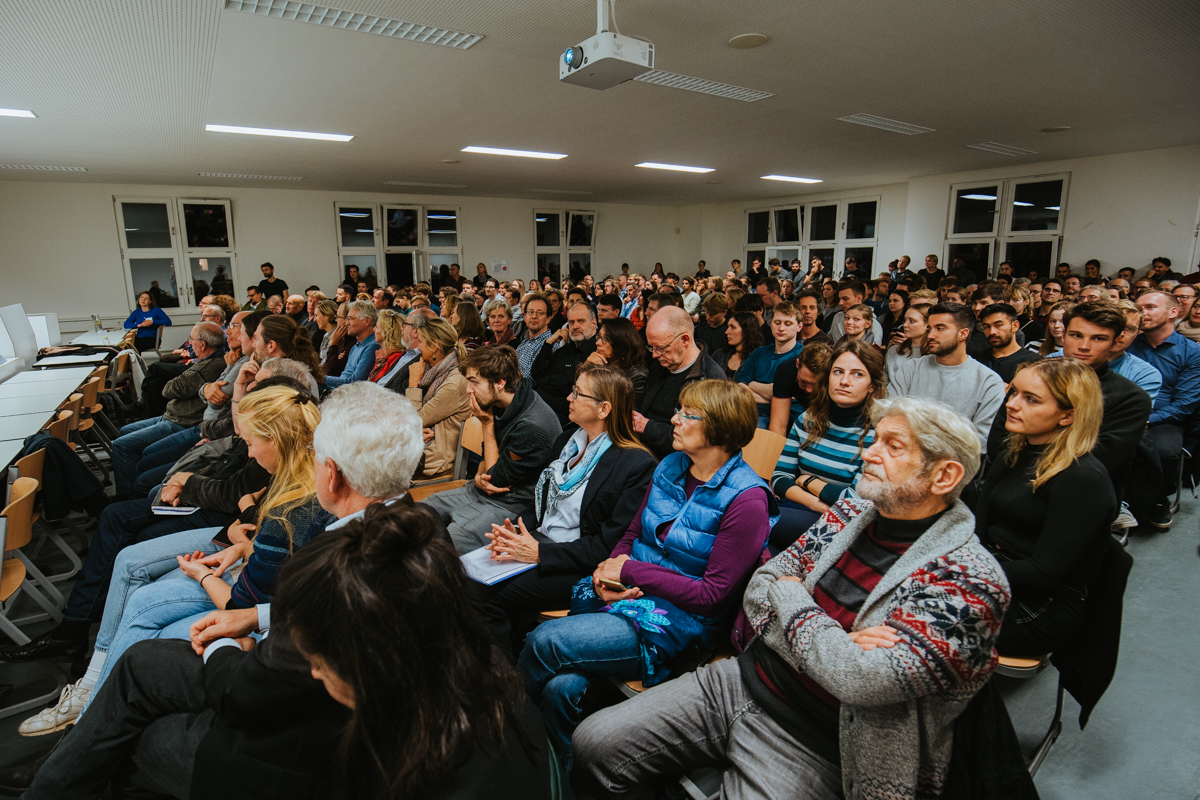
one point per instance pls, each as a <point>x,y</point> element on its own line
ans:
<point>16,428</point>
<point>76,374</point>
<point>61,362</point>
<point>9,451</point>
<point>40,404</point>
<point>97,338</point>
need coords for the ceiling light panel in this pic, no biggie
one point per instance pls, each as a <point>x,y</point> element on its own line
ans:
<point>353,21</point>
<point>429,185</point>
<point>673,81</point>
<point>673,167</point>
<point>1001,149</point>
<point>885,124</point>
<point>17,112</point>
<point>42,168</point>
<point>790,179</point>
<point>500,151</point>
<point>324,137</point>
<point>556,191</point>
<point>247,177</point>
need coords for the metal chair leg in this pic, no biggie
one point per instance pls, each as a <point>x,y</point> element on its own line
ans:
<point>1051,735</point>
<point>44,583</point>
<point>54,538</point>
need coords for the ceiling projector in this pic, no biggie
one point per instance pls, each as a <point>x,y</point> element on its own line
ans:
<point>606,59</point>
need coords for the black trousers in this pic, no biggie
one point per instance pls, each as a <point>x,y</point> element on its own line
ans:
<point>1156,468</point>
<point>158,375</point>
<point>140,733</point>
<point>507,605</point>
<point>1033,630</point>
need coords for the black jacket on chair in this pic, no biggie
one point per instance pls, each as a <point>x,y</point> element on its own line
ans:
<point>614,492</point>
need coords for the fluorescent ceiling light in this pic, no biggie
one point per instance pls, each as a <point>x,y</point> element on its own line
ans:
<point>790,179</point>
<point>500,151</point>
<point>364,230</point>
<point>442,216</point>
<point>1053,208</point>
<point>885,124</point>
<point>674,167</point>
<point>353,214</point>
<point>433,185</point>
<point>17,112</point>
<point>1002,149</point>
<point>1019,203</point>
<point>247,177</point>
<point>327,137</point>
<point>978,197</point>
<point>43,168</point>
<point>673,81</point>
<point>540,219</point>
<point>354,21</point>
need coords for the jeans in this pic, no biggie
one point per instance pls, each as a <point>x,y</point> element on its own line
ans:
<point>131,441</point>
<point>121,525</point>
<point>147,483</point>
<point>560,659</point>
<point>168,450</point>
<point>469,515</point>
<point>701,719</point>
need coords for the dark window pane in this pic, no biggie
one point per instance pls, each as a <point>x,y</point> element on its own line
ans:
<point>401,228</point>
<point>156,276</point>
<point>442,228</point>
<point>547,230</point>
<point>548,264</point>
<point>146,225</point>
<point>357,226</point>
<point>824,224</point>
<point>581,264</point>
<point>761,255</point>
<point>865,256</point>
<point>210,275</point>
<point>976,257</point>
<point>398,268</point>
<point>756,227</point>
<point>860,220</point>
<point>787,225</point>
<point>1036,206</point>
<point>1027,257</point>
<point>205,225</point>
<point>823,253</point>
<point>580,233</point>
<point>975,210</point>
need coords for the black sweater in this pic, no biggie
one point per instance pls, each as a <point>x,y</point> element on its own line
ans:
<point>553,371</point>
<point>1052,537</point>
<point>525,434</point>
<point>662,396</point>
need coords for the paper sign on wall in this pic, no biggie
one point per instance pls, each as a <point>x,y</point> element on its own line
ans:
<point>500,266</point>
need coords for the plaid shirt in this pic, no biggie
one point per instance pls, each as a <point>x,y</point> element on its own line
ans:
<point>528,349</point>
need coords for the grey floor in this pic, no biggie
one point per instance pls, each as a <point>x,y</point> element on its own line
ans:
<point>1143,739</point>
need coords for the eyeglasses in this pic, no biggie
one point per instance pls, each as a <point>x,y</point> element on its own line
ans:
<point>576,393</point>
<point>660,350</point>
<point>679,413</point>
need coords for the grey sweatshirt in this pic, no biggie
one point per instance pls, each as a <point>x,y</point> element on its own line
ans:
<point>971,389</point>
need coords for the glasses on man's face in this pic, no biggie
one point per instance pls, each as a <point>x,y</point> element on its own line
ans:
<point>658,351</point>
<point>694,417</point>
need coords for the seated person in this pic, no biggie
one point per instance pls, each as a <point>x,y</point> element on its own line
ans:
<point>585,501</point>
<point>499,321</point>
<point>743,336</point>
<point>618,344</point>
<point>823,456</point>
<point>758,370</point>
<point>834,695</point>
<point>856,322</point>
<point>146,319</point>
<point>360,334</point>
<point>153,597</point>
<point>554,367</point>
<point>519,430</point>
<point>672,583</point>
<point>794,384</point>
<point>184,409</point>
<point>1047,504</point>
<point>389,333</point>
<point>439,392</point>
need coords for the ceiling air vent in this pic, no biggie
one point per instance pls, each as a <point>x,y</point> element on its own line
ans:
<point>673,81</point>
<point>354,21</point>
<point>46,169</point>
<point>1001,149</point>
<point>247,177</point>
<point>885,124</point>
<point>429,185</point>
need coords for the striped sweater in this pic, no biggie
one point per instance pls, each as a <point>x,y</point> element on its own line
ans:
<point>256,583</point>
<point>835,458</point>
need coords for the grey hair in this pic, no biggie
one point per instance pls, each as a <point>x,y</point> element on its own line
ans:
<point>363,309</point>
<point>374,437</point>
<point>220,311</point>
<point>211,334</point>
<point>591,309</point>
<point>289,368</point>
<point>498,305</point>
<point>941,432</point>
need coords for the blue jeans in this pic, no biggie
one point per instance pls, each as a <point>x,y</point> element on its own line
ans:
<point>560,659</point>
<point>147,482</point>
<point>129,444</point>
<point>169,450</point>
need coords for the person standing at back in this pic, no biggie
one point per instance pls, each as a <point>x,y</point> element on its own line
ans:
<point>270,285</point>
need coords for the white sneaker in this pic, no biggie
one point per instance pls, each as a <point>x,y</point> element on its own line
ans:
<point>70,705</point>
<point>1125,519</point>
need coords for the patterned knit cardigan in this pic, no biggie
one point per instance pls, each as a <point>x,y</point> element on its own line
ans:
<point>946,596</point>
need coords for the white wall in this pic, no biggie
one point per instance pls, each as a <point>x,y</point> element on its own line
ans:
<point>59,249</point>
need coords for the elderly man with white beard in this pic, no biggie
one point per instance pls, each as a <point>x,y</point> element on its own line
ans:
<point>870,635</point>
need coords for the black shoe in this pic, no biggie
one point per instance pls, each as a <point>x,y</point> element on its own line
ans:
<point>17,780</point>
<point>45,647</point>
<point>1160,517</point>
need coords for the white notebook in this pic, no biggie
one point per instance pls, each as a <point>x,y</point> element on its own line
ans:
<point>480,567</point>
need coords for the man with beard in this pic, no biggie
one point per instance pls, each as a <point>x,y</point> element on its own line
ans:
<point>948,375</point>
<point>864,654</point>
<point>999,324</point>
<point>553,371</point>
<point>519,430</point>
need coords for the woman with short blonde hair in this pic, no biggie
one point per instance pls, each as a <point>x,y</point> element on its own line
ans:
<point>439,391</point>
<point>389,333</point>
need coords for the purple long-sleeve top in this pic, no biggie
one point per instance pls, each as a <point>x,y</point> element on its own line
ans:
<point>734,555</point>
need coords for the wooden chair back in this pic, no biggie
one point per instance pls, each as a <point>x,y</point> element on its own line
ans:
<point>472,436</point>
<point>61,428</point>
<point>762,454</point>
<point>73,404</point>
<point>122,367</point>
<point>90,391</point>
<point>31,466</point>
<point>19,514</point>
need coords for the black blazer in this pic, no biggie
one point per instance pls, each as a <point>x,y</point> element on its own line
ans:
<point>613,495</point>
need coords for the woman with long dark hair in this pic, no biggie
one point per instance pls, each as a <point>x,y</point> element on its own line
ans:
<point>744,336</point>
<point>892,320</point>
<point>619,344</point>
<point>471,333</point>
<point>380,608</point>
<point>146,319</point>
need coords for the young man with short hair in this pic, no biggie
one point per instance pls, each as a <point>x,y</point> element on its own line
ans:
<point>609,306</point>
<point>710,332</point>
<point>999,324</point>
<point>758,370</point>
<point>851,292</point>
<point>271,285</point>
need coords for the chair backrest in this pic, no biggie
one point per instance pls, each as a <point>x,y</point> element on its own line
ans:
<point>472,436</point>
<point>122,364</point>
<point>31,466</point>
<point>61,428</point>
<point>762,454</point>
<point>73,403</point>
<point>19,514</point>
<point>100,372</point>
<point>90,390</point>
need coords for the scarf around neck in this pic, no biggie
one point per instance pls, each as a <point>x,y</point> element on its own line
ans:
<point>564,482</point>
<point>434,377</point>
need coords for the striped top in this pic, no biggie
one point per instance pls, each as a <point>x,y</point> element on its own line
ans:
<point>835,458</point>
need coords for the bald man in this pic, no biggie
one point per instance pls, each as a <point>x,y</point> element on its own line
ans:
<point>675,361</point>
<point>297,308</point>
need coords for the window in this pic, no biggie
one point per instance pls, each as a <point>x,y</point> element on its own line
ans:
<point>563,238</point>
<point>395,244</point>
<point>846,227</point>
<point>1017,220</point>
<point>178,264</point>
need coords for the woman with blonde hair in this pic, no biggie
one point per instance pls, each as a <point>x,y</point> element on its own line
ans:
<point>389,333</point>
<point>450,301</point>
<point>1047,505</point>
<point>1021,301</point>
<point>151,596</point>
<point>439,391</point>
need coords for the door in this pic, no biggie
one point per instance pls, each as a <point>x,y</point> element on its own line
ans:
<point>149,251</point>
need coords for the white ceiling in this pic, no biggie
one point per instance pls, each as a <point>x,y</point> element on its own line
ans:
<point>125,87</point>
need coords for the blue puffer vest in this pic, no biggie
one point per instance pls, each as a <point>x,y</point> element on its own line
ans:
<point>696,519</point>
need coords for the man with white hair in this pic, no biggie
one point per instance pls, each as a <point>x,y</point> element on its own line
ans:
<point>873,632</point>
<point>675,361</point>
<point>553,370</point>
<point>360,324</point>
